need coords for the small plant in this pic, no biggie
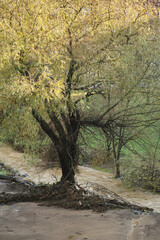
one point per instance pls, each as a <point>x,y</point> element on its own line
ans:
<point>3,170</point>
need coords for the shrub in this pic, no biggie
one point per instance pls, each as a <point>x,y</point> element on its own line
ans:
<point>141,173</point>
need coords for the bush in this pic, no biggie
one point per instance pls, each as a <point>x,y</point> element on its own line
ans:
<point>141,173</point>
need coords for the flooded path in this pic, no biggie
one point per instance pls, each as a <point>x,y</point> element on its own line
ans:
<point>97,179</point>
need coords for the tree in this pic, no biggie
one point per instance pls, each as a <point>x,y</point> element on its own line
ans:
<point>129,89</point>
<point>134,104</point>
<point>50,49</point>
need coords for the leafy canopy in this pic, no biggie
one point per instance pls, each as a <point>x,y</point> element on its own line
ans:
<point>39,39</point>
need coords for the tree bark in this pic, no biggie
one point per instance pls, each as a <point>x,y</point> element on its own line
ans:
<point>116,169</point>
<point>64,141</point>
<point>66,161</point>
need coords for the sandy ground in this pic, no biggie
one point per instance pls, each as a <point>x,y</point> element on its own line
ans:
<point>28,221</point>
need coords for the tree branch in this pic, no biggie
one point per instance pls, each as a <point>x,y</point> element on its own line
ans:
<point>45,127</point>
<point>58,125</point>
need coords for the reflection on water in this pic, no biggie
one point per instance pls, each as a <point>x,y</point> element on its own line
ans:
<point>39,173</point>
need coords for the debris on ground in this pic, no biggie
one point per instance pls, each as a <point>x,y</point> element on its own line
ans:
<point>64,195</point>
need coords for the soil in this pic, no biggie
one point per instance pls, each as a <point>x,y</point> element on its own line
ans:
<point>37,221</point>
<point>32,221</point>
<point>28,221</point>
<point>95,180</point>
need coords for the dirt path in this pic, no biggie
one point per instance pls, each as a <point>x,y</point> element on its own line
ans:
<point>39,173</point>
<point>28,221</point>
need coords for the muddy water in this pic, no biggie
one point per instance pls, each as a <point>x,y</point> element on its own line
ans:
<point>39,173</point>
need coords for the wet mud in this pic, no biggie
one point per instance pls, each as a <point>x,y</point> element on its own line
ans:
<point>95,180</point>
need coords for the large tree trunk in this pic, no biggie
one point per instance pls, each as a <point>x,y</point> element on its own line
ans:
<point>66,161</point>
<point>64,140</point>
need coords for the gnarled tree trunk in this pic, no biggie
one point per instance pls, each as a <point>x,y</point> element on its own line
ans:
<point>66,161</point>
<point>64,139</point>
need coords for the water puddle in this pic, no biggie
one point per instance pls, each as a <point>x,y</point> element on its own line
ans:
<point>39,174</point>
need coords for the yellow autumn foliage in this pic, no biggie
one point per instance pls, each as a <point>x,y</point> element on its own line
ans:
<point>39,38</point>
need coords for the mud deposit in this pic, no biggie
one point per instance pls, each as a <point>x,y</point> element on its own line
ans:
<point>28,221</point>
<point>94,179</point>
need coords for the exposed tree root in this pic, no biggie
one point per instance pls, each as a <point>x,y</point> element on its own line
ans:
<point>68,196</point>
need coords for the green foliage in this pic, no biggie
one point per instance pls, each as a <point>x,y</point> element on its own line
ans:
<point>3,172</point>
<point>140,164</point>
<point>92,137</point>
<point>93,149</point>
<point>141,173</point>
<point>19,129</point>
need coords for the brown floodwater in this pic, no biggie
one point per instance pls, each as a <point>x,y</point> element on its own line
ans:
<point>86,176</point>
